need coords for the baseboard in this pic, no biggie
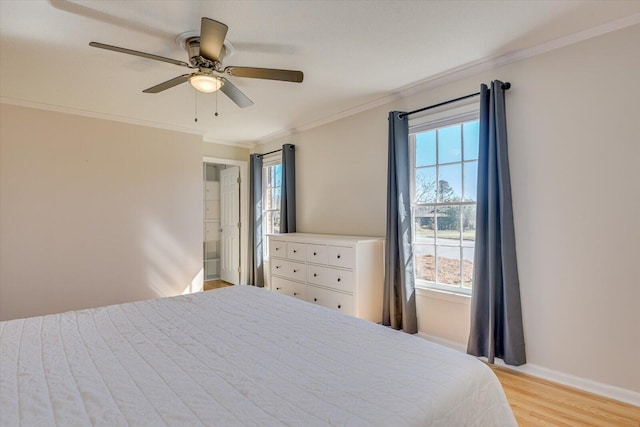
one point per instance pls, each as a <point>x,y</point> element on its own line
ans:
<point>447,343</point>
<point>608,391</point>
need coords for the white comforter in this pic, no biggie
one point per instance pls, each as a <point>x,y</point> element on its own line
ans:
<point>234,356</point>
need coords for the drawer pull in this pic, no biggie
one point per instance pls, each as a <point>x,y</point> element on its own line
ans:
<point>339,279</point>
<point>295,293</point>
<point>338,256</point>
<point>315,275</point>
<point>277,249</point>
<point>339,306</point>
<point>294,251</point>
<point>315,299</point>
<point>295,271</point>
<point>277,267</point>
<point>277,289</point>
<point>314,254</point>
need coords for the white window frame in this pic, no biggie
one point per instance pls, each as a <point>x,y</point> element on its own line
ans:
<point>426,123</point>
<point>266,163</point>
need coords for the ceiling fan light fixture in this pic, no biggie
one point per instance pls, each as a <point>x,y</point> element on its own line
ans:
<point>204,83</point>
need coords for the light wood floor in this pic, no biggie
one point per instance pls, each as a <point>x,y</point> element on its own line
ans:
<point>215,284</point>
<point>537,402</point>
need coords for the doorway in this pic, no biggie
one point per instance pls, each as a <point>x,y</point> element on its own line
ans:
<point>224,236</point>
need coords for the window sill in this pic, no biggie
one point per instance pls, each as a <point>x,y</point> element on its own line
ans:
<point>443,295</point>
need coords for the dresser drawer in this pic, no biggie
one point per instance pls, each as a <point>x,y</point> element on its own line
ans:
<point>330,299</point>
<point>287,287</point>
<point>317,254</point>
<point>288,269</point>
<point>277,248</point>
<point>340,256</point>
<point>344,273</point>
<point>296,251</point>
<point>330,277</point>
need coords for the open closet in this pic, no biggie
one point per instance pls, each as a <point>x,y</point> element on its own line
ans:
<point>221,242</point>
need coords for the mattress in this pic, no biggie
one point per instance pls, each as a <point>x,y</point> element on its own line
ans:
<point>235,356</point>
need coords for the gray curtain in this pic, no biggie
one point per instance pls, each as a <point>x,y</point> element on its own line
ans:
<point>288,195</point>
<point>256,268</point>
<point>496,316</point>
<point>399,301</point>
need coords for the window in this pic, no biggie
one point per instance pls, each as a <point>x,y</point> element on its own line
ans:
<point>444,176</point>
<point>271,189</point>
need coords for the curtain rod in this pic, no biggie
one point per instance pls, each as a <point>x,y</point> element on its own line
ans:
<point>290,146</point>
<point>505,86</point>
<point>270,152</point>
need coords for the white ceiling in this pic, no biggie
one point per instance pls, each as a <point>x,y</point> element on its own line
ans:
<point>352,53</point>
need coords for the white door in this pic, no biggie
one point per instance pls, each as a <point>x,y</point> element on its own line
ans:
<point>230,224</point>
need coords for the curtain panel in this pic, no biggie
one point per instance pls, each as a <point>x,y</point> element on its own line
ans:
<point>496,315</point>
<point>256,267</point>
<point>288,195</point>
<point>399,299</point>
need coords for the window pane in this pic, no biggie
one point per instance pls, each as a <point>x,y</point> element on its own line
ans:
<point>445,173</point>
<point>276,222</point>
<point>273,198</point>
<point>424,224</point>
<point>276,197</point>
<point>467,267</point>
<point>471,132</point>
<point>426,148</point>
<point>268,199</point>
<point>470,181</point>
<point>267,222</point>
<point>277,170</point>
<point>448,262</point>
<point>450,182</point>
<point>426,185</point>
<point>448,225</point>
<point>425,262</point>
<point>468,225</point>
<point>272,222</point>
<point>449,144</point>
<point>270,177</point>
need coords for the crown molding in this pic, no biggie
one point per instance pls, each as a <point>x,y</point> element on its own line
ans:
<point>283,134</point>
<point>249,145</point>
<point>96,115</point>
<point>462,72</point>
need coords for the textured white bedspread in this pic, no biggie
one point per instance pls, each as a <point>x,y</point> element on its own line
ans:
<point>235,356</point>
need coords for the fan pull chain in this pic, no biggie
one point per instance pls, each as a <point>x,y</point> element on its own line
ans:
<point>196,105</point>
<point>216,114</point>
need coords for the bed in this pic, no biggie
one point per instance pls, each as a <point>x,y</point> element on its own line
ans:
<point>235,356</point>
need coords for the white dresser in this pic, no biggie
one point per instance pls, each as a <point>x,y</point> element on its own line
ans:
<point>345,273</point>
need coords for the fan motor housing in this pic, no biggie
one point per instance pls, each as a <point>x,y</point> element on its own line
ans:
<point>192,45</point>
<point>190,41</point>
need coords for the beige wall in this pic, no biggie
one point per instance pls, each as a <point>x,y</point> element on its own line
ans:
<point>210,149</point>
<point>95,212</point>
<point>574,141</point>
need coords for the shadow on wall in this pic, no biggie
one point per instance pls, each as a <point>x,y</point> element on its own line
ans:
<point>168,262</point>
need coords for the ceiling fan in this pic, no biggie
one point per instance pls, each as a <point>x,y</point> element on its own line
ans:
<point>206,52</point>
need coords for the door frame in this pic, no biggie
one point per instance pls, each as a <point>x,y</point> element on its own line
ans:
<point>244,218</point>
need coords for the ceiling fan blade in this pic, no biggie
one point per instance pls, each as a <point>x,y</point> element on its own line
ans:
<point>212,34</point>
<point>168,84</point>
<point>265,73</point>
<point>138,53</point>
<point>235,94</point>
